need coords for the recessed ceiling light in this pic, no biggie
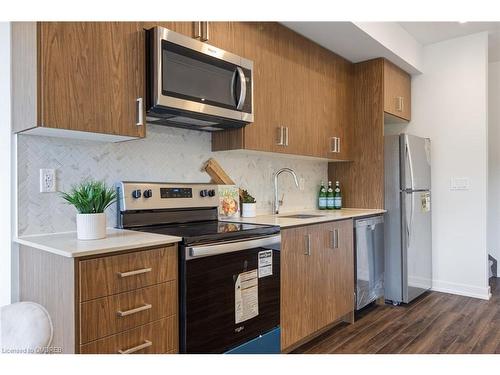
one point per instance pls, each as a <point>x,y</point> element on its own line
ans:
<point>462,21</point>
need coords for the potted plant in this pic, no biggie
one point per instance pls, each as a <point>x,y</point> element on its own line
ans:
<point>90,199</point>
<point>249,205</point>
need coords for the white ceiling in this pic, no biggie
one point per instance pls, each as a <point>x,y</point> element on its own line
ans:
<point>349,41</point>
<point>433,32</point>
<point>352,43</point>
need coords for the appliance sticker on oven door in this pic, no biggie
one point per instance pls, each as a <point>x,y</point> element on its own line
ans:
<point>246,296</point>
<point>265,263</point>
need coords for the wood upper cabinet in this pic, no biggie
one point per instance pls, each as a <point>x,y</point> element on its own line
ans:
<point>397,91</point>
<point>78,76</point>
<point>301,92</point>
<point>317,279</point>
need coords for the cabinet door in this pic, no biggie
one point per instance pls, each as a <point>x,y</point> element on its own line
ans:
<point>297,318</point>
<point>90,76</point>
<point>335,272</point>
<point>397,91</point>
<point>259,42</point>
<point>340,109</point>
<point>297,102</point>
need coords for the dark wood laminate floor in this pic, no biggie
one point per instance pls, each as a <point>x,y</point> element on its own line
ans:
<point>434,323</point>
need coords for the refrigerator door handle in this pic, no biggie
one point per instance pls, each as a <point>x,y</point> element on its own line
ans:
<point>409,223</point>
<point>410,164</point>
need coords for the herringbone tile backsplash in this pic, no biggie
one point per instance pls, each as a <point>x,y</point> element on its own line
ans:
<point>166,154</point>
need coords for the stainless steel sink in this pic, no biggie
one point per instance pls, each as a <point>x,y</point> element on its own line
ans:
<point>301,216</point>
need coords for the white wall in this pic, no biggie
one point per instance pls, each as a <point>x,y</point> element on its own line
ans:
<point>397,40</point>
<point>449,105</point>
<point>494,159</point>
<point>5,170</point>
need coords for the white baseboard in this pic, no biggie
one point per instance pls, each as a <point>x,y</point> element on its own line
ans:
<point>461,289</point>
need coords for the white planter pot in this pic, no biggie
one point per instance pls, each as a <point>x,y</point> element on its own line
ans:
<point>91,226</point>
<point>249,210</point>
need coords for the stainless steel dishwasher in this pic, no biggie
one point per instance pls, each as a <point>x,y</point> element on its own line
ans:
<point>369,259</point>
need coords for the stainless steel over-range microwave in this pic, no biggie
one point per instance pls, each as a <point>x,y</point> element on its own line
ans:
<point>194,85</point>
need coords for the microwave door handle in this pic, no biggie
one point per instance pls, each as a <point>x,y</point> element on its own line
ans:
<point>233,86</point>
<point>243,88</point>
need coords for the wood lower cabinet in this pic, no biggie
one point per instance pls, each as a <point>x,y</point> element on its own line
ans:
<point>317,279</point>
<point>105,316</point>
<point>123,303</point>
<point>82,77</point>
<point>159,337</point>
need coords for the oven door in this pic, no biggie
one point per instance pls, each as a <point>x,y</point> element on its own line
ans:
<point>192,76</point>
<point>230,294</point>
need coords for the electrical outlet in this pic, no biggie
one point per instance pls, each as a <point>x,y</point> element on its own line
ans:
<point>302,184</point>
<point>47,180</point>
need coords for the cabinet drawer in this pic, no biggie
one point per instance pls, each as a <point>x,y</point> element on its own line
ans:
<point>109,315</point>
<point>105,276</point>
<point>153,338</point>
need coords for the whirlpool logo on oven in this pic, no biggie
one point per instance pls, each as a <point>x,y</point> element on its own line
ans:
<point>239,329</point>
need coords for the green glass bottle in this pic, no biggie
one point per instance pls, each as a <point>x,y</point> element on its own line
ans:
<point>337,197</point>
<point>329,197</point>
<point>322,197</point>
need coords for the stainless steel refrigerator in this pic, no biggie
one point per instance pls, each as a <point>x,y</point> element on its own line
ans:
<point>408,238</point>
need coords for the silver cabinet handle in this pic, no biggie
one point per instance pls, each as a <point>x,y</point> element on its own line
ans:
<point>134,349</point>
<point>140,112</point>
<point>399,103</point>
<point>243,88</point>
<point>286,136</point>
<point>204,31</point>
<point>281,140</point>
<point>334,144</point>
<point>134,273</point>
<point>197,30</point>
<point>146,306</point>
<point>308,245</point>
<point>334,239</point>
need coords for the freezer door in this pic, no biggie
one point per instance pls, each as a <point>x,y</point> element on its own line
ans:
<point>417,244</point>
<point>415,162</point>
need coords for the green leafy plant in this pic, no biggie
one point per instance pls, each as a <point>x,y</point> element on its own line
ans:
<point>246,197</point>
<point>90,197</point>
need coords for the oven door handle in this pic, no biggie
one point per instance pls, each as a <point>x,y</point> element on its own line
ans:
<point>229,247</point>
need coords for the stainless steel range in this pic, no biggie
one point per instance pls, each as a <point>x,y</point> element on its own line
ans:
<point>229,272</point>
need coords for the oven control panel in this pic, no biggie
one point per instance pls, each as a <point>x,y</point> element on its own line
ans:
<point>166,193</point>
<point>153,195</point>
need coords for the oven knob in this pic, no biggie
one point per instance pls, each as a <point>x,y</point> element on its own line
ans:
<point>203,193</point>
<point>148,193</point>
<point>211,193</point>
<point>136,193</point>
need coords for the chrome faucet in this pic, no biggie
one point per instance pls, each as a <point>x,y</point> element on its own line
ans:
<point>277,201</point>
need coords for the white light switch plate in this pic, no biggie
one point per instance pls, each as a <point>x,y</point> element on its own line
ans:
<point>47,180</point>
<point>459,183</point>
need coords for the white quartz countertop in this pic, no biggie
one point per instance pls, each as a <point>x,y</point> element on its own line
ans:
<point>322,217</point>
<point>66,244</point>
